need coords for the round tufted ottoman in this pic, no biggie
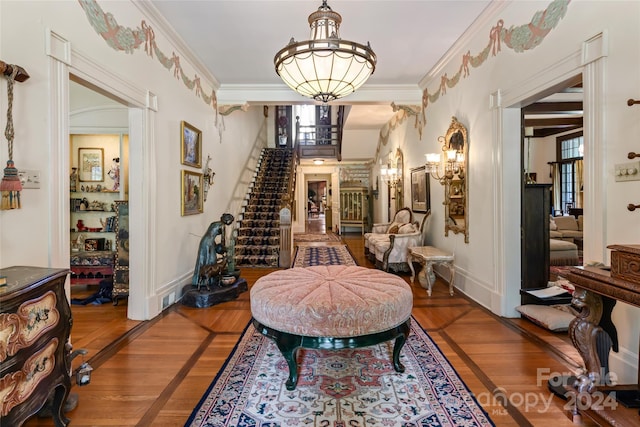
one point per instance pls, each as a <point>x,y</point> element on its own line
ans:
<point>331,307</point>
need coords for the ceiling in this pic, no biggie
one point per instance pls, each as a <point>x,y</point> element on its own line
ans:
<point>236,40</point>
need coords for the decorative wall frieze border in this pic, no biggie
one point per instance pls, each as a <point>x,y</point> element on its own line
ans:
<point>128,40</point>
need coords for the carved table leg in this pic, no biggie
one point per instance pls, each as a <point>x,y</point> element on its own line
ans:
<point>429,275</point>
<point>411,260</point>
<point>452,275</point>
<point>583,331</point>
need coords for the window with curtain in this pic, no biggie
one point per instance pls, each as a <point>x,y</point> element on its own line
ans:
<point>569,154</point>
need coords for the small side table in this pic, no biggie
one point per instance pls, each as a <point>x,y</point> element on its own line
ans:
<point>428,256</point>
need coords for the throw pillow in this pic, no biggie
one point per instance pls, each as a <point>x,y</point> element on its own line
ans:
<point>546,316</point>
<point>407,228</point>
<point>552,225</point>
<point>393,229</point>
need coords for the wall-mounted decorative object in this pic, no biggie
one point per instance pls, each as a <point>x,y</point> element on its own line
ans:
<point>190,145</point>
<point>10,186</point>
<point>91,164</point>
<point>392,174</point>
<point>208,175</point>
<point>420,191</point>
<point>114,173</point>
<point>121,264</point>
<point>452,172</point>
<point>192,193</point>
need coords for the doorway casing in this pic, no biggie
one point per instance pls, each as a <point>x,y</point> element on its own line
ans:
<point>506,126</point>
<point>143,302</point>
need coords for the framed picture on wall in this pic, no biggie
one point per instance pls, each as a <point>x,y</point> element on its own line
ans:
<point>121,264</point>
<point>192,194</point>
<point>420,197</point>
<point>190,145</point>
<point>91,164</point>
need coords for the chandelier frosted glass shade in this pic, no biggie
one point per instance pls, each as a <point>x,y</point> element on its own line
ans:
<point>325,68</point>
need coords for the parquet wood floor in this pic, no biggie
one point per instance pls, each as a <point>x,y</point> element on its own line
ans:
<point>154,373</point>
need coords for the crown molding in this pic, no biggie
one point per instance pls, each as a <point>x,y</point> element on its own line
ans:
<point>484,22</point>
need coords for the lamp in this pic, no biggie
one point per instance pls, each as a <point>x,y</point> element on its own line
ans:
<point>326,67</point>
<point>389,175</point>
<point>318,162</point>
<point>453,163</point>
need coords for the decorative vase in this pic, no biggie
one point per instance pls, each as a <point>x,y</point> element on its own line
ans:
<point>80,225</point>
<point>73,180</point>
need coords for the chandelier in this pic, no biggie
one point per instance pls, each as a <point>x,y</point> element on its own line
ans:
<point>326,67</point>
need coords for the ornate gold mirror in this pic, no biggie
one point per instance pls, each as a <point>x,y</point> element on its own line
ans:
<point>452,172</point>
<point>456,148</point>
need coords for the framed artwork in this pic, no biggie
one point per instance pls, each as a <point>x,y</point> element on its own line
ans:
<point>121,264</point>
<point>91,164</point>
<point>190,145</point>
<point>420,197</point>
<point>192,194</point>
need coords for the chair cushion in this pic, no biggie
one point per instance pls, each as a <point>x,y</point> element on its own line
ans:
<point>548,317</point>
<point>403,216</point>
<point>393,229</point>
<point>407,228</point>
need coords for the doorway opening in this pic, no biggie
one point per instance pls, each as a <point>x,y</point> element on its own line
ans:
<point>317,210</point>
<point>551,154</point>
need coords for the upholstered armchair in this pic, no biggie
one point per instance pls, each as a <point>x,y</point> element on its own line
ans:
<point>381,231</point>
<point>393,253</point>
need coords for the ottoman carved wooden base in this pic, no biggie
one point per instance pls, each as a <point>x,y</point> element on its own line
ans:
<point>331,307</point>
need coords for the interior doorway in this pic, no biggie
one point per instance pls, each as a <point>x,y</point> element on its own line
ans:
<point>552,148</point>
<point>317,207</point>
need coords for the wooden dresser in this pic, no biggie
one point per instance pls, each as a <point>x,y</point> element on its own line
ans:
<point>35,323</point>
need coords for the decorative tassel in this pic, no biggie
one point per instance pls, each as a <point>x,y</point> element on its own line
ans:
<point>10,187</point>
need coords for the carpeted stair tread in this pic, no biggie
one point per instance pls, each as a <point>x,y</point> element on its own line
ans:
<point>258,226</point>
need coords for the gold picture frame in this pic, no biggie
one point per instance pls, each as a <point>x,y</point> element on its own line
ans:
<point>420,191</point>
<point>190,145</point>
<point>91,164</point>
<point>192,193</point>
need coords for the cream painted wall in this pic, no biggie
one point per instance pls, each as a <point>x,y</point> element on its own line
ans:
<point>491,171</point>
<point>29,235</point>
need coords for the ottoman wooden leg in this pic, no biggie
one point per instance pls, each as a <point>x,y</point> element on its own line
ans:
<point>405,328</point>
<point>289,351</point>
<point>288,344</point>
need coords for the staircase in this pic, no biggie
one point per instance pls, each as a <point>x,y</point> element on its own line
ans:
<point>258,234</point>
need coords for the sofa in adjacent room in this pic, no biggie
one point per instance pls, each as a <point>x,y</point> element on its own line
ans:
<point>566,228</point>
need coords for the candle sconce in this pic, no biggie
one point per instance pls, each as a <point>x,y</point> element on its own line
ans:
<point>208,175</point>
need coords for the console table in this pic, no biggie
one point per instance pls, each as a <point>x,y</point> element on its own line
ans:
<point>428,256</point>
<point>596,290</point>
<point>35,323</point>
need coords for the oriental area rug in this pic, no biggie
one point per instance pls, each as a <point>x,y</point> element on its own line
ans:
<point>315,237</point>
<point>352,387</point>
<point>307,256</point>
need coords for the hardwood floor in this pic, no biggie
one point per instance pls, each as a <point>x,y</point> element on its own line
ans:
<point>154,373</point>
